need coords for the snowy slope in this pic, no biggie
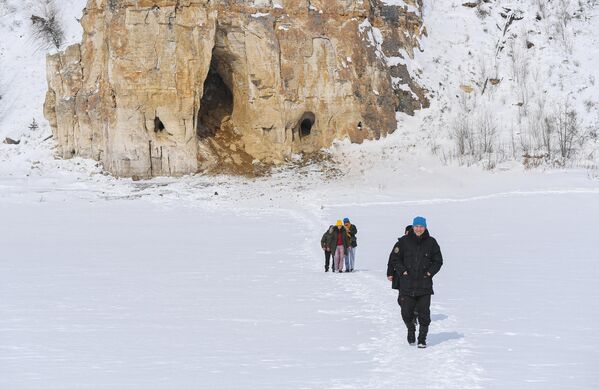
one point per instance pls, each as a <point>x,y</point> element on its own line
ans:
<point>23,62</point>
<point>542,56</point>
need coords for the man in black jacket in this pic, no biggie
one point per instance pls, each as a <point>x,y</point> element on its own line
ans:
<point>416,258</point>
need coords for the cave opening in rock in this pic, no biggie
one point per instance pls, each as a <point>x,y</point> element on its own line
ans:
<point>216,106</point>
<point>158,125</point>
<point>306,123</point>
<point>306,127</point>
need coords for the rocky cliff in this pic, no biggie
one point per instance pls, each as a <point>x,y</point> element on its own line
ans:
<point>171,87</point>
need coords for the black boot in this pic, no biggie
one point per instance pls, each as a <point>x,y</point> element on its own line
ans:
<point>422,336</point>
<point>411,335</point>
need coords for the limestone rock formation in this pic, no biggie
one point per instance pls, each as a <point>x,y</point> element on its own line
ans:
<point>171,87</point>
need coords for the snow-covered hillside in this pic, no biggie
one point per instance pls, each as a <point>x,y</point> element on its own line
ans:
<point>23,62</point>
<point>511,79</point>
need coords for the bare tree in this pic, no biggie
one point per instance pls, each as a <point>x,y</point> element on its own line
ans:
<point>47,26</point>
<point>487,135</point>
<point>462,134</point>
<point>560,25</point>
<point>567,130</point>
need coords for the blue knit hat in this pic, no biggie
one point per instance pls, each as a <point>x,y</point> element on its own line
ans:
<point>346,220</point>
<point>419,221</point>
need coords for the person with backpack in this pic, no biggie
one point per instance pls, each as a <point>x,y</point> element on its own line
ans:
<point>417,258</point>
<point>324,243</point>
<point>350,255</point>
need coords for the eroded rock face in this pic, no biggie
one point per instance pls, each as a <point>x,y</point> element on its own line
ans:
<point>168,87</point>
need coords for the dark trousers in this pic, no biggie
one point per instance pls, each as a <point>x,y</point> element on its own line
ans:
<point>327,260</point>
<point>411,305</point>
<point>415,320</point>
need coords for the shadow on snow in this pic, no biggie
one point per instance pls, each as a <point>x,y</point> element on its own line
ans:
<point>435,339</point>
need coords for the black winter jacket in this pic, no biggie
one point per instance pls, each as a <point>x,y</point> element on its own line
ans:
<point>417,256</point>
<point>326,238</point>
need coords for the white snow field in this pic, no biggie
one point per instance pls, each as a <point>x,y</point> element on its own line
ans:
<point>106,283</point>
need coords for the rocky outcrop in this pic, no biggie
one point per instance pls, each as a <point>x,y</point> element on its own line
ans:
<point>171,87</point>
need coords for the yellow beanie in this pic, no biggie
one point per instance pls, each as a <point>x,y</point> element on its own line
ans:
<point>339,223</point>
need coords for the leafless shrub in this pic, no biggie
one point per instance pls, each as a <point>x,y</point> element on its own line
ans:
<point>567,130</point>
<point>475,139</point>
<point>536,134</point>
<point>487,134</point>
<point>462,135</point>
<point>547,134</point>
<point>47,27</point>
<point>513,134</point>
<point>560,25</point>
<point>520,61</point>
<point>551,137</point>
<point>33,126</point>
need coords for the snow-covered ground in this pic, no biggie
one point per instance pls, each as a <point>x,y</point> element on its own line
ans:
<point>109,283</point>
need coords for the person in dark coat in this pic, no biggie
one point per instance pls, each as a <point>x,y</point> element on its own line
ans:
<point>350,255</point>
<point>417,258</point>
<point>324,243</point>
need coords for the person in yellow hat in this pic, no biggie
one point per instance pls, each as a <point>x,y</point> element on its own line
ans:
<point>339,242</point>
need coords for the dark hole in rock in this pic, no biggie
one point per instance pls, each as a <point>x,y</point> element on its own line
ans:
<point>216,105</point>
<point>306,127</point>
<point>158,125</point>
<point>306,124</point>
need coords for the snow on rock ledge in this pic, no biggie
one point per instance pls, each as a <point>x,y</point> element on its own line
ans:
<point>169,87</point>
